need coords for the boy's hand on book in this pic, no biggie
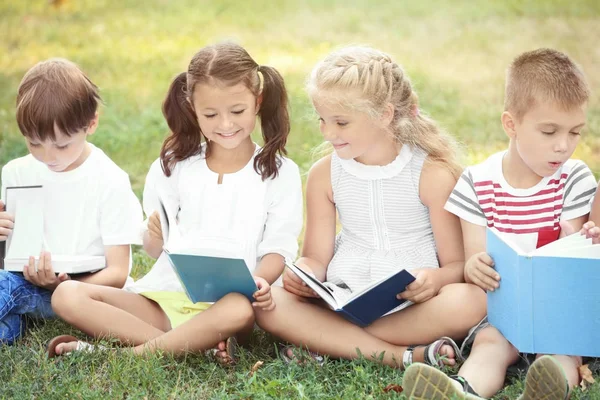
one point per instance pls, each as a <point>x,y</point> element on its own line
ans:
<point>154,227</point>
<point>590,230</point>
<point>262,296</point>
<point>295,285</point>
<point>480,270</point>
<point>6,223</point>
<point>423,288</point>
<point>43,275</point>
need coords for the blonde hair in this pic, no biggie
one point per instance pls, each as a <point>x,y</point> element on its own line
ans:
<point>365,79</point>
<point>55,93</point>
<point>544,74</point>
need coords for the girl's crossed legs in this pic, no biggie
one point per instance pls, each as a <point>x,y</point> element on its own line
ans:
<point>298,320</point>
<point>136,321</point>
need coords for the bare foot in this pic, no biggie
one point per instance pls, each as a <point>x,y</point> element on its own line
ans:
<point>64,348</point>
<point>446,354</point>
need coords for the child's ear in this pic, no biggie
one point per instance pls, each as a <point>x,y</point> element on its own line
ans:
<point>93,125</point>
<point>388,114</point>
<point>508,123</point>
<point>259,100</point>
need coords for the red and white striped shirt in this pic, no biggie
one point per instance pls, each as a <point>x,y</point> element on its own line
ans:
<point>527,217</point>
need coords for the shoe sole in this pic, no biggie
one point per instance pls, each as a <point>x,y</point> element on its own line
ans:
<point>423,382</point>
<point>545,381</point>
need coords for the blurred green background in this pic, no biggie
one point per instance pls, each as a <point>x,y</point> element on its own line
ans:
<point>455,52</point>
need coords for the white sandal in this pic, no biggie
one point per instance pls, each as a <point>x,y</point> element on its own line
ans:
<point>432,356</point>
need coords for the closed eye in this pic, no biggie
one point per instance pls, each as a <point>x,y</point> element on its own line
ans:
<point>34,144</point>
<point>210,115</point>
<point>238,112</point>
<point>548,133</point>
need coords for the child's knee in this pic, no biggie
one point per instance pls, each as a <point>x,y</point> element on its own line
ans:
<point>468,300</point>
<point>64,296</point>
<point>241,310</point>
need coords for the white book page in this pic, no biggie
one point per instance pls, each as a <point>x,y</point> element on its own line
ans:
<point>566,244</point>
<point>27,207</point>
<point>592,251</point>
<point>326,293</point>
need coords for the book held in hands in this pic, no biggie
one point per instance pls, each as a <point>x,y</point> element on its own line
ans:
<point>548,301</point>
<point>26,205</point>
<point>364,306</point>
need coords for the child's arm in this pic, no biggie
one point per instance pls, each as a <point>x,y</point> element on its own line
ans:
<point>115,274</point>
<point>153,239</point>
<point>595,212</point>
<point>479,268</point>
<point>436,184</point>
<point>319,237</point>
<point>116,271</point>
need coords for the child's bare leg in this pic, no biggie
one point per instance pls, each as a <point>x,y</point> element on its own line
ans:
<point>485,368</point>
<point>297,320</point>
<point>227,317</point>
<point>102,311</point>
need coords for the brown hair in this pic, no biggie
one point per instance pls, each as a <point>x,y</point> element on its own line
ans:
<point>365,79</point>
<point>55,94</point>
<point>229,64</point>
<point>544,74</point>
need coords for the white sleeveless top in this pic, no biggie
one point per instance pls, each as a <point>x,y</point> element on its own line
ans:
<point>385,226</point>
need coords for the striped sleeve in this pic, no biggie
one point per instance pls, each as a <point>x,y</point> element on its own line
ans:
<point>580,187</point>
<point>463,201</point>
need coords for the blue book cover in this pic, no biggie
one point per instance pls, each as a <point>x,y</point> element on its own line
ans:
<point>548,300</point>
<point>208,278</point>
<point>365,306</point>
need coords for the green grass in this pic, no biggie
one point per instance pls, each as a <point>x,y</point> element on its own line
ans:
<point>455,53</point>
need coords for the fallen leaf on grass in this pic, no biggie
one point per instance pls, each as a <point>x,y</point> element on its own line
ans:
<point>255,367</point>
<point>392,387</point>
<point>586,376</point>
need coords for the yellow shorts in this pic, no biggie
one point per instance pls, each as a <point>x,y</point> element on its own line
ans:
<point>177,306</point>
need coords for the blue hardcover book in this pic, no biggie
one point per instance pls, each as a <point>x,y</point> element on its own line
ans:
<point>548,301</point>
<point>208,278</point>
<point>365,306</point>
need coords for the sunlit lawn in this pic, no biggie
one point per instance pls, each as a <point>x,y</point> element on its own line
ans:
<point>455,52</point>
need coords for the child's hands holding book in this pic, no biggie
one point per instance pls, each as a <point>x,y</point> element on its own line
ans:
<point>479,270</point>
<point>295,285</point>
<point>43,275</point>
<point>263,297</point>
<point>6,223</point>
<point>590,230</point>
<point>154,226</point>
<point>423,288</point>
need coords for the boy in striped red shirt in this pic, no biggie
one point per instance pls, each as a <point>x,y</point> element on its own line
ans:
<point>527,193</point>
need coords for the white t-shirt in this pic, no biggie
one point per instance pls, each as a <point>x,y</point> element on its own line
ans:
<point>85,209</point>
<point>529,217</point>
<point>243,216</point>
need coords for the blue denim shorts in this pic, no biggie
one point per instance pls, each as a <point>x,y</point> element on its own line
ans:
<point>19,298</point>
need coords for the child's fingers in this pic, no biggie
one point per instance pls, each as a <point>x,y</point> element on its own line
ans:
<point>300,291</point>
<point>7,221</point>
<point>262,297</point>
<point>488,271</point>
<point>484,281</point>
<point>485,259</point>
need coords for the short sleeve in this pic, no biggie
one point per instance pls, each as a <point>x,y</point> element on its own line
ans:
<point>580,187</point>
<point>284,213</point>
<point>120,213</point>
<point>463,201</point>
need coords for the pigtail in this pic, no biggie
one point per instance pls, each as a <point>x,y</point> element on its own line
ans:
<point>185,139</point>
<point>275,123</point>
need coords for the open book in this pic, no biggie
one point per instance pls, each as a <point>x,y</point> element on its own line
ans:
<point>549,299</point>
<point>208,278</point>
<point>26,205</point>
<point>365,306</point>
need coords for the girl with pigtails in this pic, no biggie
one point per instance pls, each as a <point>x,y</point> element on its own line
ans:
<point>387,180</point>
<point>225,193</point>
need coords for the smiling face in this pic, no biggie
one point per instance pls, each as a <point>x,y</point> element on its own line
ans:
<point>65,153</point>
<point>353,134</point>
<point>546,136</point>
<point>226,114</point>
